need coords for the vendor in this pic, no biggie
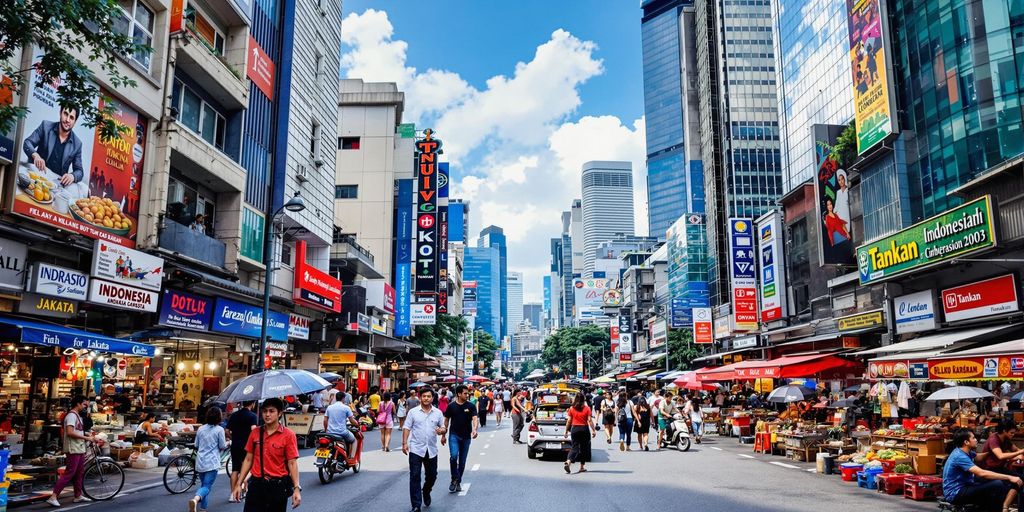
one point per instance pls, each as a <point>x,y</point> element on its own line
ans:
<point>147,432</point>
<point>999,450</point>
<point>968,408</point>
<point>959,484</point>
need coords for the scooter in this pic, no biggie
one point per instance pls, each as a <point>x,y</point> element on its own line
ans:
<point>677,433</point>
<point>332,457</point>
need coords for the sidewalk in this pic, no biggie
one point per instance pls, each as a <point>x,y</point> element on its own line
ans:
<point>135,480</point>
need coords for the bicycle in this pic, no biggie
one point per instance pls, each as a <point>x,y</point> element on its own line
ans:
<point>180,475</point>
<point>104,477</point>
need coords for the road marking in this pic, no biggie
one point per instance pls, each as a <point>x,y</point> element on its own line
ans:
<point>783,464</point>
<point>465,489</point>
<point>715,448</point>
<point>812,470</point>
<point>476,467</point>
<point>747,456</point>
<point>483,453</point>
<point>486,446</point>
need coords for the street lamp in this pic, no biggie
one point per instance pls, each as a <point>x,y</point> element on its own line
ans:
<point>295,204</point>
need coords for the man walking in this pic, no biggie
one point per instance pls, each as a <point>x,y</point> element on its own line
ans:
<point>518,418</point>
<point>75,444</point>
<point>273,462</point>
<point>419,441</point>
<point>240,426</point>
<point>460,420</point>
<point>506,398</point>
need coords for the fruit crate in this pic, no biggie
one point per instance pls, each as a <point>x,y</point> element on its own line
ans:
<point>891,483</point>
<point>922,488</point>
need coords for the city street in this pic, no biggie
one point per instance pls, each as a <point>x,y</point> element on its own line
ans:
<point>719,475</point>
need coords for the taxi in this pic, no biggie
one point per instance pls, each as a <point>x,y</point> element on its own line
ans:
<point>546,431</point>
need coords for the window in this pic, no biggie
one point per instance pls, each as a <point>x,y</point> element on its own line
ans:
<point>314,140</point>
<point>199,116</point>
<point>136,21</point>
<point>348,142</point>
<point>185,200</point>
<point>211,37</point>
<point>286,254</point>
<point>346,191</point>
<point>318,67</point>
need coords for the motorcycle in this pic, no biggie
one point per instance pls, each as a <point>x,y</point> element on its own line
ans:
<point>332,457</point>
<point>677,433</point>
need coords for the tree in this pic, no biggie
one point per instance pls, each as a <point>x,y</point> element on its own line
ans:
<point>447,332</point>
<point>484,347</point>
<point>845,148</point>
<point>529,366</point>
<point>63,30</point>
<point>560,349</point>
<point>681,350</point>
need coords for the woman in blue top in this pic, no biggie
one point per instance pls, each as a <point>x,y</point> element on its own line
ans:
<point>210,441</point>
<point>959,486</point>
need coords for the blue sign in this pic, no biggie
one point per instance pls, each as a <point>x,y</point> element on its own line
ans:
<point>180,309</point>
<point>918,370</point>
<point>232,317</point>
<point>403,258</point>
<point>64,337</point>
<point>742,247</point>
<point>403,289</point>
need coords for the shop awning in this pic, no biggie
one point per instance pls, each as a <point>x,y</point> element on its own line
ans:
<point>720,354</point>
<point>1006,348</point>
<point>935,341</point>
<point>389,344</point>
<point>624,376</point>
<point>726,372</point>
<point>52,335</point>
<point>668,375</point>
<point>788,367</point>
<point>644,375</point>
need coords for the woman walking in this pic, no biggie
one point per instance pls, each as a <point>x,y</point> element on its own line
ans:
<point>608,416</point>
<point>385,420</point>
<point>210,441</point>
<point>692,409</point>
<point>642,422</point>
<point>624,414</point>
<point>499,408</point>
<point>403,409</point>
<point>580,426</point>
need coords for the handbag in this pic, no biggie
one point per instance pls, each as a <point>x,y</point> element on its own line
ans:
<point>382,416</point>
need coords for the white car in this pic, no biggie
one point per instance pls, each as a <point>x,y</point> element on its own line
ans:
<point>546,433</point>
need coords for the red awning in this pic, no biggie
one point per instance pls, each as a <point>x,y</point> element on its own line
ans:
<point>689,380</point>
<point>788,367</point>
<point>727,372</point>
<point>623,376</point>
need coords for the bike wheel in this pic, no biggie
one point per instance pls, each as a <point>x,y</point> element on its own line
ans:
<point>180,474</point>
<point>326,474</point>
<point>684,444</point>
<point>227,465</point>
<point>103,480</point>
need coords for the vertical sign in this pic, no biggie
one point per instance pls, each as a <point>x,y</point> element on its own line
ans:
<point>469,360</point>
<point>177,16</point>
<point>773,272</point>
<point>260,68</point>
<point>742,269</point>
<point>832,187</point>
<point>426,267</point>
<point>403,257</point>
<point>871,95</point>
<point>614,335</point>
<point>442,237</point>
<point>579,363</point>
<point>703,326</point>
<point>625,336</point>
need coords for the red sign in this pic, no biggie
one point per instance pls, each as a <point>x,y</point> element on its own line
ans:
<point>260,69</point>
<point>122,364</point>
<point>389,298</point>
<point>771,314</point>
<point>994,296</point>
<point>758,373</point>
<point>313,287</point>
<point>889,369</point>
<point>177,15</point>
<point>703,332</point>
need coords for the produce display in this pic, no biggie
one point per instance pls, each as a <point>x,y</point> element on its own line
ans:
<point>903,468</point>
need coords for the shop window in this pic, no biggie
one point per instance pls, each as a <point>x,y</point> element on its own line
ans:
<point>286,253</point>
<point>135,20</point>
<point>346,191</point>
<point>348,142</point>
<point>199,116</point>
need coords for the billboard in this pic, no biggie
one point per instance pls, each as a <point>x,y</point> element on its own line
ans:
<point>832,188</point>
<point>425,239</point>
<point>469,350</point>
<point>772,267</point>
<point>966,229</point>
<point>658,330</point>
<point>873,109</point>
<point>185,310</point>
<point>743,271</point>
<point>86,184</point>
<point>687,268</point>
<point>703,326</point>
<point>589,297</point>
<point>403,257</point>
<point>469,298</point>
<point>313,287</point>
<point>442,237</point>
<point>914,312</point>
<point>423,314</point>
<point>625,333</point>
<point>996,296</point>
<point>127,266</point>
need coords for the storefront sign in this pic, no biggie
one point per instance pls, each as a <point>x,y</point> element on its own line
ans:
<point>743,270</point>
<point>773,270</point>
<point>957,369</point>
<point>659,333</point>
<point>613,334</point>
<point>442,238</point>
<point>260,68</point>
<point>703,326</point>
<point>338,358</point>
<point>996,296</point>
<point>35,304</point>
<point>12,265</point>
<point>744,342</point>
<point>389,298</point>
<point>861,320</point>
<point>232,317</point>
<point>298,327</point>
<point>963,230</point>
<point>403,256</point>
<point>625,332</point>
<point>84,340</point>
<point>873,108</point>
<point>770,372</point>
<point>423,314</point>
<point>127,266</point>
<point>120,296</point>
<point>314,287</point>
<point>919,370</point>
<point>915,312</point>
<point>181,309</point>
<point>177,16</point>
<point>425,239</point>
<point>378,327</point>
<point>888,369</point>
<point>58,281</point>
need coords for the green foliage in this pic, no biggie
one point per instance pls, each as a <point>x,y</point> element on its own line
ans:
<point>845,147</point>
<point>681,350</point>
<point>63,30</point>
<point>484,347</point>
<point>560,349</point>
<point>448,331</point>
<point>528,367</point>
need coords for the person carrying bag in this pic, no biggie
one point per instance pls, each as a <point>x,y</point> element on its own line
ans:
<point>272,461</point>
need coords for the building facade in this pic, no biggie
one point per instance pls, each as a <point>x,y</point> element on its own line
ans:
<point>514,311</point>
<point>482,271</point>
<point>607,206</point>
<point>494,236</point>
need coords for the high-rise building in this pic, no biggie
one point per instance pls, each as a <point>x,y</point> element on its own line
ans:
<point>607,206</point>
<point>675,183</point>
<point>482,270</point>
<point>458,220</point>
<point>546,308</point>
<point>608,262</point>
<point>739,122</point>
<point>572,225</point>
<point>514,308</point>
<point>494,236</point>
<point>534,313</point>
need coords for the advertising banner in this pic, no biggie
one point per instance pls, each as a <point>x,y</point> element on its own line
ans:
<point>313,287</point>
<point>185,310</point>
<point>972,368</point>
<point>915,312</point>
<point>864,320</point>
<point>625,332</point>
<point>127,266</point>
<point>873,109</point>
<point>996,296</point>
<point>772,266</point>
<point>423,314</point>
<point>120,296</point>
<point>832,187</point>
<point>589,296</point>
<point>94,189</point>
<point>469,351</point>
<point>743,270</point>
<point>703,326</point>
<point>614,335</point>
<point>442,237</point>
<point>687,262</point>
<point>469,297</point>
<point>966,229</point>
<point>579,363</point>
<point>58,281</point>
<point>232,317</point>
<point>12,264</point>
<point>426,247</point>
<point>298,327</point>
<point>35,304</point>
<point>260,68</point>
<point>403,257</point>
<point>659,333</point>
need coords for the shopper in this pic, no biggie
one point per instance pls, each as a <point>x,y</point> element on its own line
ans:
<point>959,478</point>
<point>624,417</point>
<point>608,416</point>
<point>518,417</point>
<point>696,416</point>
<point>385,419</point>
<point>483,405</point>
<point>403,408</point>
<point>460,420</point>
<point>240,426</point>
<point>580,427</point>
<point>374,402</point>
<point>999,449</point>
<point>499,408</point>
<point>75,445</point>
<point>642,422</point>
<point>210,441</point>
<point>419,442</point>
<point>506,398</point>
<point>271,459</point>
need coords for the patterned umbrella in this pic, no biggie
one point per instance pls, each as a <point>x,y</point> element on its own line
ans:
<point>272,384</point>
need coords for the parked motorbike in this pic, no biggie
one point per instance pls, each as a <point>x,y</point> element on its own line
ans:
<point>677,434</point>
<point>332,457</point>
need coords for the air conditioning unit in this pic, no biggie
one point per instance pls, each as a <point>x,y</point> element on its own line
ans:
<point>301,173</point>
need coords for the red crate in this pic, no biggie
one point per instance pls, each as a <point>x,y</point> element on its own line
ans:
<point>922,488</point>
<point>891,483</point>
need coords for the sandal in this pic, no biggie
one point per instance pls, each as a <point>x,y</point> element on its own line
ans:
<point>582,470</point>
<point>567,468</point>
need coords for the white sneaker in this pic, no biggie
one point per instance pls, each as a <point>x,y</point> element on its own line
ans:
<point>52,500</point>
<point>80,499</point>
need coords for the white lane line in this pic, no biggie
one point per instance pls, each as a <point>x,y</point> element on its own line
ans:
<point>812,470</point>
<point>465,489</point>
<point>483,453</point>
<point>745,456</point>
<point>715,448</point>
<point>486,446</point>
<point>783,464</point>
<point>476,467</point>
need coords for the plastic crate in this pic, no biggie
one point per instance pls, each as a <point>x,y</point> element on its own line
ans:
<point>849,471</point>
<point>866,478</point>
<point>922,488</point>
<point>891,483</point>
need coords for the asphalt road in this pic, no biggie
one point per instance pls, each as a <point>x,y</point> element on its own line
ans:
<point>719,475</point>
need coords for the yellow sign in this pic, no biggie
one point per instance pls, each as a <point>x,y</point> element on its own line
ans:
<point>959,369</point>
<point>338,358</point>
<point>861,320</point>
<point>872,108</point>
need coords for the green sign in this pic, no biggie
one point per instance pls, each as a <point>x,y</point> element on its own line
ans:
<point>965,229</point>
<point>253,230</point>
<point>407,130</point>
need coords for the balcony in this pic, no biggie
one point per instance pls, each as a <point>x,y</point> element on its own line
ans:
<point>225,82</point>
<point>181,239</point>
<point>349,255</point>
<point>204,163</point>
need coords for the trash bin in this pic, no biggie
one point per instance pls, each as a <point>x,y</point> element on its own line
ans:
<point>830,464</point>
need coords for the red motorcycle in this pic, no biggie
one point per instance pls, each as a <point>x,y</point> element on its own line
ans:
<point>332,457</point>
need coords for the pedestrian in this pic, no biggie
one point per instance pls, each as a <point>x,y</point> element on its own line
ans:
<point>240,426</point>
<point>499,408</point>
<point>419,441</point>
<point>403,408</point>
<point>506,398</point>
<point>374,401</point>
<point>696,416</point>
<point>385,420</point>
<point>210,441</point>
<point>76,440</point>
<point>518,417</point>
<point>482,405</point>
<point>442,403</point>
<point>608,416</point>
<point>460,420</point>
<point>642,422</point>
<point>580,428</point>
<point>272,460</point>
<point>624,417</point>
<point>595,403</point>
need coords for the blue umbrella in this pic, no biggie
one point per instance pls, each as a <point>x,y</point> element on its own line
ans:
<point>415,385</point>
<point>1018,397</point>
<point>273,384</point>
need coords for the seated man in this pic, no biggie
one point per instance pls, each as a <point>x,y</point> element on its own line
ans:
<point>999,451</point>
<point>958,478</point>
<point>336,419</point>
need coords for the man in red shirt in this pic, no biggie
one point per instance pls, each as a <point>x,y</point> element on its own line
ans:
<point>272,461</point>
<point>999,451</point>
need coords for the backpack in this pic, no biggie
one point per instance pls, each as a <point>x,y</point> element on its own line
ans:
<point>622,414</point>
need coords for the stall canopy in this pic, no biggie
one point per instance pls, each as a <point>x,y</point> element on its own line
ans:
<point>50,335</point>
<point>624,376</point>
<point>935,341</point>
<point>727,372</point>
<point>644,375</point>
<point>783,368</point>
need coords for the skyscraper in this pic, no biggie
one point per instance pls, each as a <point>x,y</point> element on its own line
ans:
<point>675,183</point>
<point>458,220</point>
<point>534,313</point>
<point>514,310</point>
<point>482,268</point>
<point>607,206</point>
<point>494,236</point>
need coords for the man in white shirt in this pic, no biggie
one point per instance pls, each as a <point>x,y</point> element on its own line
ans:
<point>419,441</point>
<point>506,397</point>
<point>842,203</point>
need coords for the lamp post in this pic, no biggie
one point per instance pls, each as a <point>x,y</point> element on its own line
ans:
<point>295,204</point>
